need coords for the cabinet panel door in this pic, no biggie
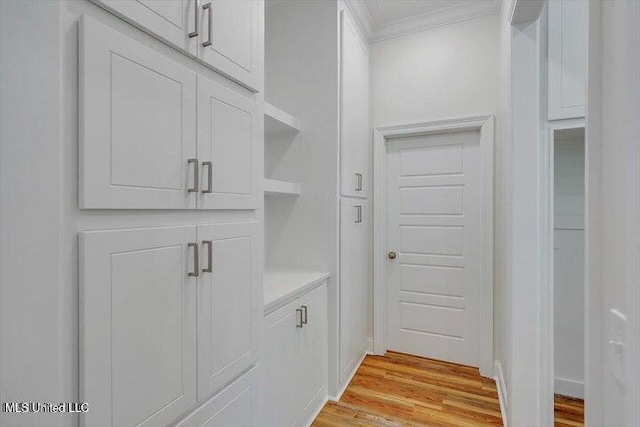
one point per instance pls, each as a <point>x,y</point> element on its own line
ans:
<point>137,124</point>
<point>355,133</point>
<point>235,406</point>
<point>282,400</point>
<point>228,303</point>
<point>171,20</point>
<point>354,254</point>
<point>137,323</point>
<point>235,31</point>
<point>314,352</point>
<point>567,58</point>
<point>228,137</point>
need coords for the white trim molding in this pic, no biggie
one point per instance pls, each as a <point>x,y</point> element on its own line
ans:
<point>501,386</point>
<point>483,124</point>
<point>421,22</point>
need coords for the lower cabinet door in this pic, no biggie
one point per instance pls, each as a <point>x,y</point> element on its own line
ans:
<point>229,307</point>
<point>137,323</point>
<point>281,391</point>
<point>314,352</point>
<point>235,406</point>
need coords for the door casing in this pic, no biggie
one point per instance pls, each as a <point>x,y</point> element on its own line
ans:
<point>485,126</point>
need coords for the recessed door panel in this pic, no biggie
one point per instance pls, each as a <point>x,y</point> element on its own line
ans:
<point>137,314</point>
<point>137,124</point>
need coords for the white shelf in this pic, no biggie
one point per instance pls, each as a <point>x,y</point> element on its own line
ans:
<point>284,285</point>
<point>277,187</point>
<point>277,121</point>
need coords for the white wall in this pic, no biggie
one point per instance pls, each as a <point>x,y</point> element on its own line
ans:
<point>449,72</point>
<point>569,266</point>
<point>613,209</point>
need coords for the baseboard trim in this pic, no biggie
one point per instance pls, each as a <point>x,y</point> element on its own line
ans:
<point>568,387</point>
<point>503,398</point>
<point>344,386</point>
<point>320,405</point>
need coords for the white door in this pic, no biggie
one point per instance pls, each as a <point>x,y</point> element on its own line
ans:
<point>228,138</point>
<point>228,303</point>
<point>313,375</point>
<point>355,135</point>
<point>137,323</point>
<point>354,282</point>
<point>231,38</point>
<point>435,205</point>
<point>172,20</point>
<point>283,336</point>
<point>137,124</point>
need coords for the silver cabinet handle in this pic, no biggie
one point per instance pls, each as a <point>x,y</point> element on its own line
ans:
<point>209,245</point>
<point>358,182</point>
<point>304,311</point>
<point>196,29</point>
<point>358,214</point>
<point>196,268</point>
<point>299,312</point>
<point>195,175</point>
<point>208,7</point>
<point>209,166</point>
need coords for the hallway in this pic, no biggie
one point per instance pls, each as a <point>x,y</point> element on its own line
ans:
<point>403,390</point>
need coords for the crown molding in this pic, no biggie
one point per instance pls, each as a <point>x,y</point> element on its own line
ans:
<point>361,15</point>
<point>425,21</point>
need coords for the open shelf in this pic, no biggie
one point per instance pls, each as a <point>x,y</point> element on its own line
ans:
<point>277,187</point>
<point>277,121</point>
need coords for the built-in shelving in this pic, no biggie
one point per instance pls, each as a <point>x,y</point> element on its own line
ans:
<point>284,285</point>
<point>278,122</point>
<point>277,187</point>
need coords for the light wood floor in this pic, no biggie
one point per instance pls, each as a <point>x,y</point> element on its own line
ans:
<point>402,390</point>
<point>568,411</point>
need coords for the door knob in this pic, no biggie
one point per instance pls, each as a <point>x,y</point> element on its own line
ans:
<point>392,255</point>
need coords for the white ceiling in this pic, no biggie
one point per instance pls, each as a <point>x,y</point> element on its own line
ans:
<point>386,11</point>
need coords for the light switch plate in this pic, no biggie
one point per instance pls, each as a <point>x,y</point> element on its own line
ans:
<point>618,344</point>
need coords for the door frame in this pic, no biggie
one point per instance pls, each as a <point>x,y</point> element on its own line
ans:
<point>485,126</point>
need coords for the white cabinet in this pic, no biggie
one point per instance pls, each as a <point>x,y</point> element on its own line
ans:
<point>139,148</point>
<point>235,406</point>
<point>224,34</point>
<point>567,58</point>
<point>138,325</point>
<point>168,316</point>
<point>228,303</point>
<point>354,282</point>
<point>355,135</point>
<point>228,138</point>
<point>137,124</point>
<point>295,340</point>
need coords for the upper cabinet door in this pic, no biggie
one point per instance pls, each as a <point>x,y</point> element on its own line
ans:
<point>228,143</point>
<point>355,133</point>
<point>567,58</point>
<point>137,323</point>
<point>137,124</point>
<point>229,306</point>
<point>232,39</point>
<point>171,20</point>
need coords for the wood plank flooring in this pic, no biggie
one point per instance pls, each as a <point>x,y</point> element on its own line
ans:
<point>402,390</point>
<point>569,412</point>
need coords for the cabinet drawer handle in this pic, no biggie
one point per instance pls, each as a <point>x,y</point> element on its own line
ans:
<point>209,245</point>
<point>299,313</point>
<point>195,175</point>
<point>209,8</point>
<point>196,26</point>
<point>358,214</point>
<point>304,311</point>
<point>196,268</point>
<point>358,182</point>
<point>209,166</point>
